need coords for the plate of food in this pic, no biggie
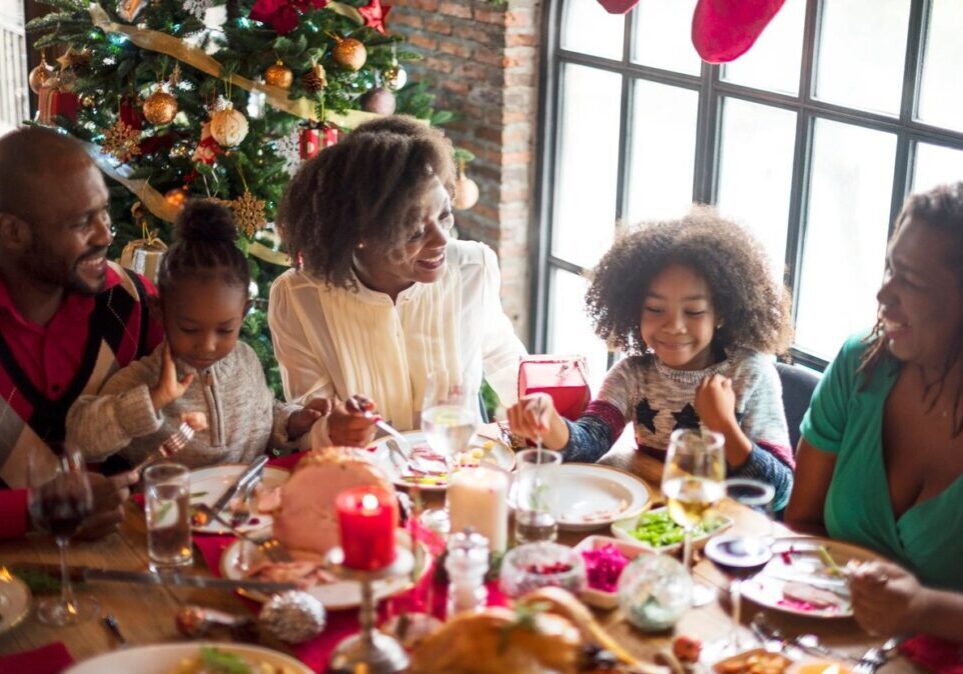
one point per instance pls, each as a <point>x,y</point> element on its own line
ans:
<point>586,496</point>
<point>208,484</point>
<point>425,468</point>
<point>14,600</point>
<point>805,577</point>
<point>309,571</point>
<point>656,531</point>
<point>192,658</point>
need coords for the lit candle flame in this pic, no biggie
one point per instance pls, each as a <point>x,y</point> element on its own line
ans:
<point>369,502</point>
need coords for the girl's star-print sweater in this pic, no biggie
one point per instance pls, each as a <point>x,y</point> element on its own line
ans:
<point>658,399</point>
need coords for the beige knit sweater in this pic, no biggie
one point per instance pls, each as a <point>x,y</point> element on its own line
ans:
<point>243,416</point>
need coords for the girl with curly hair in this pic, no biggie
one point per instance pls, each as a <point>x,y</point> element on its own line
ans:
<point>202,373</point>
<point>382,296</point>
<point>694,303</point>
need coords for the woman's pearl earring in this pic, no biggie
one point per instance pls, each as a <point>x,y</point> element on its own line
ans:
<point>360,245</point>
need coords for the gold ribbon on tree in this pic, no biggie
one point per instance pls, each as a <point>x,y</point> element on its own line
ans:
<point>197,58</point>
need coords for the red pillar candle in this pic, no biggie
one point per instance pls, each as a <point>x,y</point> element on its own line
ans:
<point>367,517</point>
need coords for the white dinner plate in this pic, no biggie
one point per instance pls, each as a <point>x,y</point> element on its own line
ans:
<point>490,451</point>
<point>14,600</point>
<point>340,594</point>
<point>207,485</point>
<point>163,658</point>
<point>586,496</point>
<point>797,558</point>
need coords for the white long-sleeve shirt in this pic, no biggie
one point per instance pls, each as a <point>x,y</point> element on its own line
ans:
<point>341,342</point>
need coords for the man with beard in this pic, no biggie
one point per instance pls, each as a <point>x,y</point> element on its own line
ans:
<point>68,317</point>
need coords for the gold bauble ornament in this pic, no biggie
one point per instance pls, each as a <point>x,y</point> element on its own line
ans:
<point>228,126</point>
<point>350,53</point>
<point>466,193</point>
<point>279,75</point>
<point>180,151</point>
<point>176,197</point>
<point>315,79</point>
<point>40,74</point>
<point>160,108</point>
<point>88,100</point>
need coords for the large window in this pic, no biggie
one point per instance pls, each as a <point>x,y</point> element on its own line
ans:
<point>811,140</point>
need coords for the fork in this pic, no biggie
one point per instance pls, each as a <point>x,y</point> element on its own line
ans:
<point>242,513</point>
<point>271,547</point>
<point>877,656</point>
<point>395,444</point>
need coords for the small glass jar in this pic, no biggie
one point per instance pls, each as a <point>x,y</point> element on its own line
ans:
<point>466,564</point>
<point>654,591</point>
<point>534,565</point>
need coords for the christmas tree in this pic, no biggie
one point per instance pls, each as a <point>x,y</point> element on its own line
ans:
<point>186,98</point>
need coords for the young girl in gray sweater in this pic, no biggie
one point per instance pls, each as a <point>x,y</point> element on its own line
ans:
<point>201,368</point>
<point>694,304</point>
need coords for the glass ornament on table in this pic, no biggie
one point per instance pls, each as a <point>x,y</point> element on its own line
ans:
<point>692,482</point>
<point>59,500</point>
<point>742,555</point>
<point>449,415</point>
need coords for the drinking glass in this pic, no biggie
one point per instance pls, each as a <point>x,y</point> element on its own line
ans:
<point>448,418</point>
<point>534,519</point>
<point>692,482</point>
<point>742,556</point>
<point>167,487</point>
<point>59,500</point>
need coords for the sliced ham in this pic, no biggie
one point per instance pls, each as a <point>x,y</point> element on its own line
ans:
<point>814,596</point>
<point>306,519</point>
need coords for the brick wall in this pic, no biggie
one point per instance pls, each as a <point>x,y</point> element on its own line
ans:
<point>482,62</point>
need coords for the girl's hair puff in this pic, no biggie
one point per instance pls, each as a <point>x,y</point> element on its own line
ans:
<point>753,308</point>
<point>204,246</point>
<point>365,188</point>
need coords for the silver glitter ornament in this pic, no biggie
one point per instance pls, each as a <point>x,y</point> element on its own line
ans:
<point>394,77</point>
<point>293,616</point>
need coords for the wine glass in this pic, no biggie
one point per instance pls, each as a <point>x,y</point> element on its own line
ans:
<point>448,418</point>
<point>59,500</point>
<point>742,556</point>
<point>692,482</point>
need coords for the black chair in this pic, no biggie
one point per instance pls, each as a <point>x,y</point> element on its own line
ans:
<point>798,384</point>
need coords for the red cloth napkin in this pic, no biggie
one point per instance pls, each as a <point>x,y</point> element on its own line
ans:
<point>934,654</point>
<point>49,659</point>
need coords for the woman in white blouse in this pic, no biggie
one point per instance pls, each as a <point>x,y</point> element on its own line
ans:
<point>381,296</point>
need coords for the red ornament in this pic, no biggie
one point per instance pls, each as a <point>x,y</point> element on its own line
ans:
<point>283,15</point>
<point>368,518</point>
<point>53,103</point>
<point>330,136</point>
<point>618,6</point>
<point>309,143</point>
<point>374,15</point>
<point>130,113</point>
<point>723,30</point>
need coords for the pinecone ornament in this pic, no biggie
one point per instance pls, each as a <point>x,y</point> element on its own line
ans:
<point>315,79</point>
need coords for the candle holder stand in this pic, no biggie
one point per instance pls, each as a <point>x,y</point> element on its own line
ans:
<point>370,650</point>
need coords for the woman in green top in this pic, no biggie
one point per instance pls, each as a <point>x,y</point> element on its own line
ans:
<point>881,459</point>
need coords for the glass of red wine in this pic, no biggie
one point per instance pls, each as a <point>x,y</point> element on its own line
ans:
<point>60,499</point>
<point>741,556</point>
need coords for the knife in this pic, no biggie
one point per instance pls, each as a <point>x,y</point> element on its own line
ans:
<point>91,574</point>
<point>249,474</point>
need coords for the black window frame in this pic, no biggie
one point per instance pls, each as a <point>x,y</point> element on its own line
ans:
<point>712,90</point>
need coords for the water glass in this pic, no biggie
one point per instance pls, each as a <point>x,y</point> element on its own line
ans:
<point>535,470</point>
<point>167,488</point>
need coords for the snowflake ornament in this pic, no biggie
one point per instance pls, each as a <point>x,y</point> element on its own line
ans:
<point>289,149</point>
<point>198,7</point>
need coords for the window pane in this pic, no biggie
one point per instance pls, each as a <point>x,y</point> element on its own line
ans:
<point>587,28</point>
<point>587,164</point>
<point>662,155</point>
<point>773,61</point>
<point>852,178</point>
<point>755,172</point>
<point>941,97</point>
<point>862,48</point>
<point>569,329</point>
<point>663,36</point>
<point>936,165</point>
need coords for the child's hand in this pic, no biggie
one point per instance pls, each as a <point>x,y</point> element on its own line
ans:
<point>715,403</point>
<point>301,421</point>
<point>535,416</point>
<point>351,423</point>
<point>168,388</point>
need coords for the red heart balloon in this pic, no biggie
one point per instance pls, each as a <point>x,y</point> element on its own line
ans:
<point>618,6</point>
<point>723,30</point>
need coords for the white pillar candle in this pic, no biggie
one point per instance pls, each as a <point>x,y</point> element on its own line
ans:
<point>478,498</point>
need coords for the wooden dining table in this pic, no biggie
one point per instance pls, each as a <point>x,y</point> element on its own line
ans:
<point>145,613</point>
